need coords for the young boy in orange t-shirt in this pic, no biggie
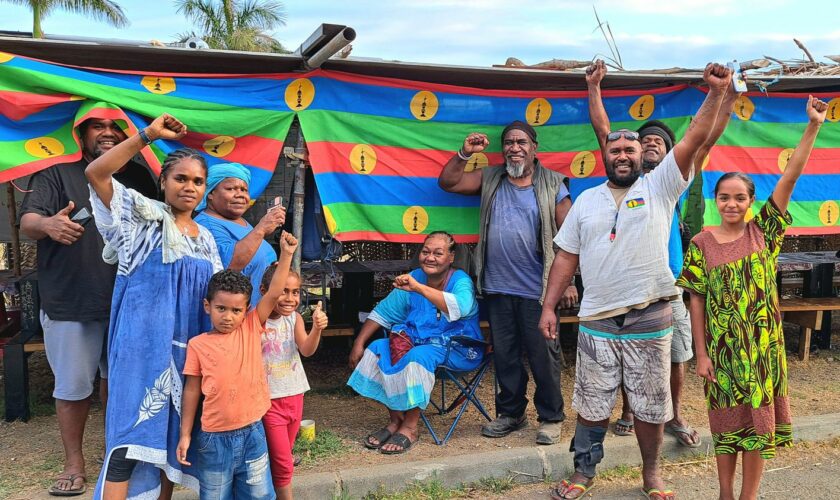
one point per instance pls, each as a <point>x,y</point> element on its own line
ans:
<point>226,366</point>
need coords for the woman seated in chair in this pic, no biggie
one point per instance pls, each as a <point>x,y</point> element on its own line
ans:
<point>427,308</point>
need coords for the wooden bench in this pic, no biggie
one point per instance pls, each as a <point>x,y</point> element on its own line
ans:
<point>808,314</point>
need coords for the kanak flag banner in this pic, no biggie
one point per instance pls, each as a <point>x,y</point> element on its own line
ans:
<point>230,118</point>
<point>377,145</point>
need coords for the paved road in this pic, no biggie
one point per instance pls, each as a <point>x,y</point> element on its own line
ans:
<point>808,477</point>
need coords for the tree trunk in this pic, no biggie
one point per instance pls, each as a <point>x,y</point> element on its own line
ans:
<point>37,13</point>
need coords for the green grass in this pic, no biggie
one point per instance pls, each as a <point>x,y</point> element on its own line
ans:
<point>326,445</point>
<point>495,484</point>
<point>621,472</point>
<point>433,489</point>
<point>430,489</point>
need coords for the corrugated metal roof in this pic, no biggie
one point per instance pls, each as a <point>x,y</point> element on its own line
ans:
<point>145,57</point>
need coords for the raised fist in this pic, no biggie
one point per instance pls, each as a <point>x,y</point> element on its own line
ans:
<point>476,142</point>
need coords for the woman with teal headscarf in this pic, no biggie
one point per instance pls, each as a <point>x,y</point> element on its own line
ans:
<point>242,247</point>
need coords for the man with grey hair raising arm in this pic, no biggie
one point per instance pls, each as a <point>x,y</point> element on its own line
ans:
<point>522,206</point>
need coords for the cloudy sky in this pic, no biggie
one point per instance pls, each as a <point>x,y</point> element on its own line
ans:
<point>649,33</point>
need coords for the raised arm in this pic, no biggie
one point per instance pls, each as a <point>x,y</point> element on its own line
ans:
<point>452,178</point>
<point>718,78</point>
<point>308,343</point>
<point>721,121</point>
<point>562,271</point>
<point>288,245</point>
<point>597,114</point>
<point>100,170</point>
<point>816,110</point>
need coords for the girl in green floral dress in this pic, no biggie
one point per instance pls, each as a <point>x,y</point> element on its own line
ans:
<point>736,324</point>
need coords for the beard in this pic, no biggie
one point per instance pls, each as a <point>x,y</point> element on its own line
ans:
<point>647,166</point>
<point>516,170</point>
<point>626,180</point>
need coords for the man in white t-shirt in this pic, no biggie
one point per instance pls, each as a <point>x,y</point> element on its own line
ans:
<point>618,233</point>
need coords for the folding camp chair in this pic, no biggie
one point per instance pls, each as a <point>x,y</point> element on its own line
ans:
<point>465,382</point>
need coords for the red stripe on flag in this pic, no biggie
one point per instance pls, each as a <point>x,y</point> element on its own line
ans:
<point>18,105</point>
<point>397,238</point>
<point>766,160</point>
<point>35,166</point>
<point>329,157</point>
<point>249,150</point>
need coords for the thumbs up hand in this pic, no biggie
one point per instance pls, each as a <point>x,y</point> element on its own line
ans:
<point>60,228</point>
<point>319,318</point>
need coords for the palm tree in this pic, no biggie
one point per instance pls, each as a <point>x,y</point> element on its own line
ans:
<point>102,10</point>
<point>235,25</point>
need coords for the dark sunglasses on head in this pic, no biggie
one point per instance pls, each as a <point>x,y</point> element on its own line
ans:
<point>627,134</point>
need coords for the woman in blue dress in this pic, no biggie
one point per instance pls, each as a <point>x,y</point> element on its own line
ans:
<point>164,261</point>
<point>430,305</point>
<point>242,247</point>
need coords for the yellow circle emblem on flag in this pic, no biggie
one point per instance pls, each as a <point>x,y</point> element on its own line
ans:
<point>300,94</point>
<point>328,216</point>
<point>158,84</point>
<point>744,108</point>
<point>477,161</point>
<point>642,108</point>
<point>749,215</point>
<point>833,113</point>
<point>44,147</point>
<point>5,57</point>
<point>362,159</point>
<point>415,219</point>
<point>705,163</point>
<point>424,105</point>
<point>219,146</point>
<point>538,112</point>
<point>829,213</point>
<point>784,158</point>
<point>582,164</point>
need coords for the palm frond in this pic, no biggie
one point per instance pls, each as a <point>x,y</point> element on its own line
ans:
<point>101,10</point>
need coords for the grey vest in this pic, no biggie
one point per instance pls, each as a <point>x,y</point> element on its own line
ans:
<point>546,185</point>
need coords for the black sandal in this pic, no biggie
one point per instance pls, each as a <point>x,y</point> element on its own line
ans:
<point>382,435</point>
<point>400,440</point>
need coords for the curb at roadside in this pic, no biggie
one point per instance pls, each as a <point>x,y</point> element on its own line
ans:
<point>526,464</point>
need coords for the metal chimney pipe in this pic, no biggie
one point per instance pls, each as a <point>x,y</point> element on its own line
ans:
<point>332,47</point>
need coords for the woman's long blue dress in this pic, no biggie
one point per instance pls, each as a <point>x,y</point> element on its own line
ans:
<point>408,383</point>
<point>156,308</point>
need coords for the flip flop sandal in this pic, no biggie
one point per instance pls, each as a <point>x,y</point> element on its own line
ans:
<point>400,440</point>
<point>72,492</point>
<point>627,424</point>
<point>382,436</point>
<point>655,494</point>
<point>567,487</point>
<point>679,431</point>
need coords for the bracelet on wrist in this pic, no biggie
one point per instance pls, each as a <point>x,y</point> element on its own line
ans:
<point>463,155</point>
<point>144,137</point>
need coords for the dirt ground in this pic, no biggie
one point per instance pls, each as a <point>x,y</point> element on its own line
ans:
<point>32,451</point>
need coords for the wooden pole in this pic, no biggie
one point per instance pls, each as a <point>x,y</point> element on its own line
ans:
<point>12,206</point>
<point>297,200</point>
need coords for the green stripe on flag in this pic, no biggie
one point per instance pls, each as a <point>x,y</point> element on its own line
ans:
<point>351,217</point>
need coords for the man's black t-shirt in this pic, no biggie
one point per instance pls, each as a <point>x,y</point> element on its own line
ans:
<point>74,283</point>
